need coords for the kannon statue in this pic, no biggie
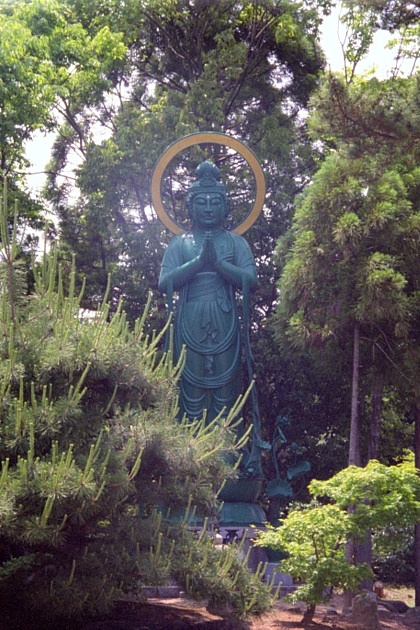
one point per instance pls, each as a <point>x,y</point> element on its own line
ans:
<point>207,266</point>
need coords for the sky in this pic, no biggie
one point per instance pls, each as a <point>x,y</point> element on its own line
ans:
<point>379,58</point>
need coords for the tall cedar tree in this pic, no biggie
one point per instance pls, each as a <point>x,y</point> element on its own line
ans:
<point>350,281</point>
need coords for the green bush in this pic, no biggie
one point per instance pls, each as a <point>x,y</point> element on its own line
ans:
<point>356,502</point>
<point>90,453</point>
<point>222,577</point>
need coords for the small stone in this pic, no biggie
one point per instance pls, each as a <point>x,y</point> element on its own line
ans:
<point>365,613</point>
<point>413,612</point>
<point>384,612</point>
<point>412,618</point>
<point>395,606</point>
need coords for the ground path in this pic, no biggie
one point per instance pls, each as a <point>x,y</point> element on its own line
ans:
<point>183,613</point>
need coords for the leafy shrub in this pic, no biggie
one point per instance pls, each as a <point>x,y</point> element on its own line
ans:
<point>357,501</point>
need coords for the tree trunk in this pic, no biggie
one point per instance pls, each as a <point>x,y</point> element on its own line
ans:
<point>375,417</point>
<point>354,441</point>
<point>417,527</point>
<point>350,558</point>
<point>363,554</point>
<point>363,549</point>
<point>309,615</point>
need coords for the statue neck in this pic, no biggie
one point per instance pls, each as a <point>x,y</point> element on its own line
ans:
<point>211,232</point>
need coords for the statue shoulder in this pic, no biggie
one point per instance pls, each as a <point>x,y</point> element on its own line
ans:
<point>239,241</point>
<point>180,249</point>
<point>179,240</point>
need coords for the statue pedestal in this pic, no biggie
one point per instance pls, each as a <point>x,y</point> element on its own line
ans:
<point>241,514</point>
<point>236,532</point>
<point>275,577</point>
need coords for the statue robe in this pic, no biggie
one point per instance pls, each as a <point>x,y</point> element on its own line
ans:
<point>206,322</point>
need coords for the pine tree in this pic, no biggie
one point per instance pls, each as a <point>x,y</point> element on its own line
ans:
<point>92,458</point>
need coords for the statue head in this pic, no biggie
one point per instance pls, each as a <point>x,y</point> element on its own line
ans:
<point>207,185</point>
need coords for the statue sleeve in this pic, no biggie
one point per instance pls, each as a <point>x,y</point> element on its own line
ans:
<point>244,258</point>
<point>172,259</point>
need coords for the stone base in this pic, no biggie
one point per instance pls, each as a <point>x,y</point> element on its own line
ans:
<point>276,578</point>
<point>365,612</point>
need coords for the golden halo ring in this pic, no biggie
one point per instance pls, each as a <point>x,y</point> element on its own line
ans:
<point>209,137</point>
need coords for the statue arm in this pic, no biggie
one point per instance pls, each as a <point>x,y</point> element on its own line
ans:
<point>242,269</point>
<point>179,275</point>
<point>236,275</point>
<point>176,271</point>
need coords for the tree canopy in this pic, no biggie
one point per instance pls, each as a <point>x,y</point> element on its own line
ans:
<point>243,68</point>
<point>350,256</point>
<point>314,536</point>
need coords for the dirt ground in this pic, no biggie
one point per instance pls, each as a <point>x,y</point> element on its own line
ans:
<point>183,613</point>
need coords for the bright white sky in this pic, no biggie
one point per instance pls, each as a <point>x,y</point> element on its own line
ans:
<point>379,58</point>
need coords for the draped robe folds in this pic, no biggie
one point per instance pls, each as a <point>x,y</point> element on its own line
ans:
<point>206,322</point>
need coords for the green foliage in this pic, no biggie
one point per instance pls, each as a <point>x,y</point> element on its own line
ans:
<point>350,259</point>
<point>49,64</point>
<point>362,20</point>
<point>313,537</point>
<point>360,500</point>
<point>91,452</point>
<point>223,576</point>
<point>391,15</point>
<point>24,90</point>
<point>395,421</point>
<point>381,495</point>
<point>128,78</point>
<point>214,66</point>
<point>368,115</point>
<point>359,37</point>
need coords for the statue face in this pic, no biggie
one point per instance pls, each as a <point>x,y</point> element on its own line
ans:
<point>208,210</point>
